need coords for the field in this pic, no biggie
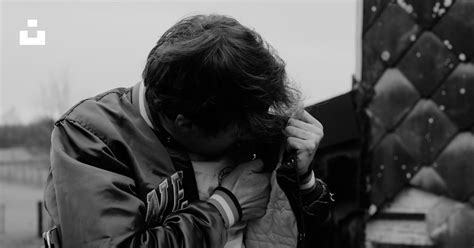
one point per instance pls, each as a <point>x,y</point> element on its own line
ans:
<point>20,218</point>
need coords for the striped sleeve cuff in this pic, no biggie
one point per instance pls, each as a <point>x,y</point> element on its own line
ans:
<point>227,205</point>
<point>315,192</point>
<point>308,183</point>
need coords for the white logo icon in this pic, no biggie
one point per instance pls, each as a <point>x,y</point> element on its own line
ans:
<point>39,40</point>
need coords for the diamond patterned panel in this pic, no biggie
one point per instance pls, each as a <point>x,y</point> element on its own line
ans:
<point>415,57</point>
<point>372,10</point>
<point>457,28</point>
<point>427,63</point>
<point>376,129</point>
<point>429,180</point>
<point>455,96</point>
<point>394,96</point>
<point>380,48</point>
<point>456,166</point>
<point>426,130</point>
<point>392,167</point>
<point>426,12</point>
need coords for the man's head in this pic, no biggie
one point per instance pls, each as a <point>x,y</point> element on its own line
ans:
<point>214,80</point>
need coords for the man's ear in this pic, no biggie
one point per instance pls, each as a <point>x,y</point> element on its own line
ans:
<point>183,123</point>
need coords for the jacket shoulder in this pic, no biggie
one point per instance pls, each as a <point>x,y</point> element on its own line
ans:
<point>103,113</point>
<point>109,98</point>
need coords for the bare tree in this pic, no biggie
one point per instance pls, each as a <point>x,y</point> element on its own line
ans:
<point>55,93</point>
<point>9,116</point>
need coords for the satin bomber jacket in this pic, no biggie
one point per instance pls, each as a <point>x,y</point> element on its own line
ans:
<point>107,163</point>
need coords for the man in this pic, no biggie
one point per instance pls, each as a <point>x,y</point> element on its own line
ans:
<point>183,159</point>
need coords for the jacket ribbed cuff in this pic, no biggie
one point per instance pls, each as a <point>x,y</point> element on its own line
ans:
<point>315,193</point>
<point>227,204</point>
<point>308,183</point>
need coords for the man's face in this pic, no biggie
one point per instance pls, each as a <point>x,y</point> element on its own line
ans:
<point>209,146</point>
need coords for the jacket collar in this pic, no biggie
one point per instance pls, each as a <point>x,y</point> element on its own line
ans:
<point>138,99</point>
<point>142,105</point>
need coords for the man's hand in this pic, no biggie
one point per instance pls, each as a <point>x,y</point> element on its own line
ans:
<point>251,187</point>
<point>304,134</point>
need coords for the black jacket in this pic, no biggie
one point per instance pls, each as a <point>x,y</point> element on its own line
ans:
<point>105,162</point>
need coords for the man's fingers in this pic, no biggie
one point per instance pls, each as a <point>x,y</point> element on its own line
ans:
<point>299,133</point>
<point>294,143</point>
<point>310,119</point>
<point>303,115</point>
<point>300,144</point>
<point>305,126</point>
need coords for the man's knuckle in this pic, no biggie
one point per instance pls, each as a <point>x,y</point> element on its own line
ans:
<point>291,121</point>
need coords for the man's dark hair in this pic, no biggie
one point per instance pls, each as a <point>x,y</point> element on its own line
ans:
<point>215,71</point>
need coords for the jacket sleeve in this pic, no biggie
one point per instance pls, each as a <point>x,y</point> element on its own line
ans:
<point>312,208</point>
<point>97,204</point>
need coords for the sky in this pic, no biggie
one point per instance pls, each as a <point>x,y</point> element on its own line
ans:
<point>93,46</point>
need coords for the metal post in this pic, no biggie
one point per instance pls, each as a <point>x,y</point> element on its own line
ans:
<point>2,218</point>
<point>40,218</point>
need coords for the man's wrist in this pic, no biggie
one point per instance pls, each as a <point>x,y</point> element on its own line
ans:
<point>314,193</point>
<point>227,205</point>
<point>306,173</point>
<point>307,181</point>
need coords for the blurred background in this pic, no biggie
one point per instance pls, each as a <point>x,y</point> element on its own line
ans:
<point>93,46</point>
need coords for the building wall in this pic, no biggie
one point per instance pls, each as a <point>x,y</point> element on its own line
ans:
<point>417,95</point>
